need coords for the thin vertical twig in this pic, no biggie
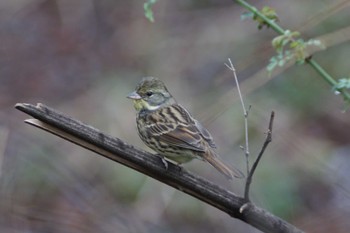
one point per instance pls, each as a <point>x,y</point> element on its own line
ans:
<point>245,112</point>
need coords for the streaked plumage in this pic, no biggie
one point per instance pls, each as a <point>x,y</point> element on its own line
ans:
<point>169,129</point>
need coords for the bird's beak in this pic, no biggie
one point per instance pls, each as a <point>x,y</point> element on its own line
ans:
<point>133,95</point>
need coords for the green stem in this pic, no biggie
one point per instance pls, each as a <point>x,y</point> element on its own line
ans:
<point>327,77</point>
<point>255,11</point>
<point>322,72</point>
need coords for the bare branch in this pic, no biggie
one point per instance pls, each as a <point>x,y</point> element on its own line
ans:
<point>250,173</point>
<point>245,112</point>
<point>266,143</point>
<point>151,165</point>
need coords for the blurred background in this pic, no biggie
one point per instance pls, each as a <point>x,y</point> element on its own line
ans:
<point>83,57</point>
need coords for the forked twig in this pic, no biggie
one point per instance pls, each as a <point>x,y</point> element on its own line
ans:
<point>250,172</point>
<point>268,139</point>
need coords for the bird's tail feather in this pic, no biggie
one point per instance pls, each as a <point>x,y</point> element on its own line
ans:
<point>214,160</point>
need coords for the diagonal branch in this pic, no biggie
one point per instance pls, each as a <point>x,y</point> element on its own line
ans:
<point>115,149</point>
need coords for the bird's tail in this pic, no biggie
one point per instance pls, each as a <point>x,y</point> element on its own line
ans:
<point>214,160</point>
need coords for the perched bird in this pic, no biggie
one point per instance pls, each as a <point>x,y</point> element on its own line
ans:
<point>169,129</point>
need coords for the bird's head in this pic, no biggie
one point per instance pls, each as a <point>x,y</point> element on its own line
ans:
<point>150,95</point>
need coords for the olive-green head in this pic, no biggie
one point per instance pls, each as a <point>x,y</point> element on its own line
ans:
<point>151,94</point>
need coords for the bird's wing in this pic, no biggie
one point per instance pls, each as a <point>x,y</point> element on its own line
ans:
<point>186,137</point>
<point>203,131</point>
<point>182,131</point>
<point>205,134</point>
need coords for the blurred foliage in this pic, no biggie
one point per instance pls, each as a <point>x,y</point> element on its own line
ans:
<point>343,83</point>
<point>147,6</point>
<point>267,11</point>
<point>83,57</point>
<point>289,47</point>
<point>297,47</point>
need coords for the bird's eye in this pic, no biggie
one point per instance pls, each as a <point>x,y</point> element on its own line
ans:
<point>149,93</point>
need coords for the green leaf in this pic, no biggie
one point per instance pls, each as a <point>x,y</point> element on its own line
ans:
<point>147,6</point>
<point>295,34</point>
<point>285,42</point>
<point>287,32</point>
<point>277,42</point>
<point>247,15</point>
<point>314,42</point>
<point>270,13</point>
<point>293,44</point>
<point>343,83</point>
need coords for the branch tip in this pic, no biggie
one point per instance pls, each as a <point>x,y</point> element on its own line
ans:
<point>21,105</point>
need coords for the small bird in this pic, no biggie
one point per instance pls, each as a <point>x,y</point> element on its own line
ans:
<point>170,130</point>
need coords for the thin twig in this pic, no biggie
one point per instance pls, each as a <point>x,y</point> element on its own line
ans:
<point>245,112</point>
<point>251,173</point>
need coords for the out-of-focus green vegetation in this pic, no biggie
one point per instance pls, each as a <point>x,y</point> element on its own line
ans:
<point>83,57</point>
